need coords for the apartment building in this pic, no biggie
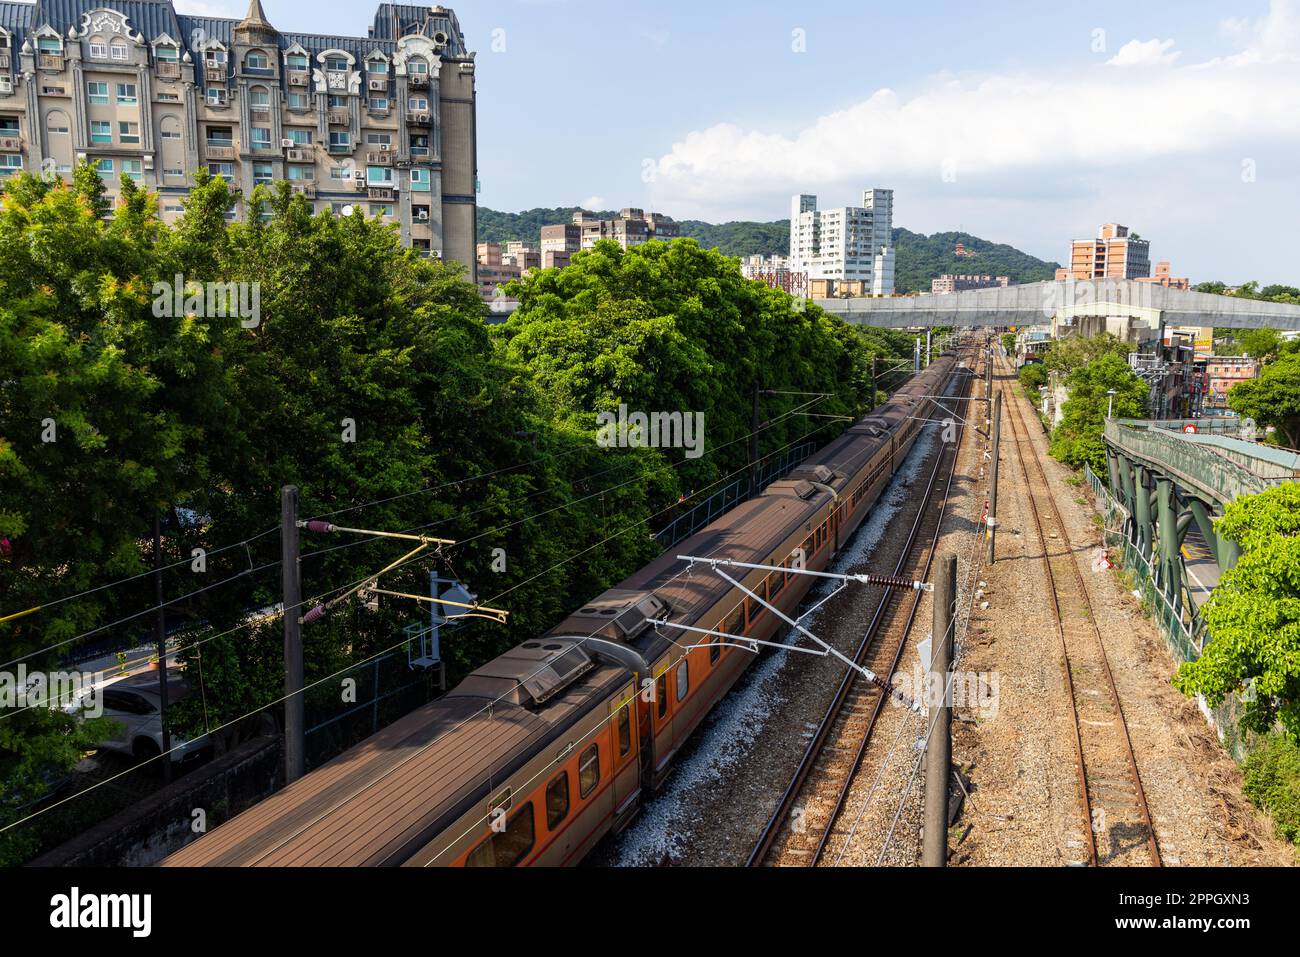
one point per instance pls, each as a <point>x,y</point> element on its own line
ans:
<point>385,122</point>
<point>948,283</point>
<point>774,271</point>
<point>1222,373</point>
<point>846,245</point>
<point>1116,253</point>
<point>631,227</point>
<point>1163,277</point>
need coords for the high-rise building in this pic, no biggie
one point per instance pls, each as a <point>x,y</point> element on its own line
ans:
<point>849,244</point>
<point>1114,254</point>
<point>384,122</point>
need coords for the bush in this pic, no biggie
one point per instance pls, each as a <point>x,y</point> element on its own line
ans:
<point>1273,783</point>
<point>1032,376</point>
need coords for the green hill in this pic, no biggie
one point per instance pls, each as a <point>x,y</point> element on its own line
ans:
<point>919,258</point>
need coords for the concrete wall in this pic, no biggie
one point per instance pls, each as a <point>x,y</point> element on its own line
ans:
<point>162,823</point>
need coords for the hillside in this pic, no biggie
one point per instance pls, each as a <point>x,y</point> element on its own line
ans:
<point>920,258</point>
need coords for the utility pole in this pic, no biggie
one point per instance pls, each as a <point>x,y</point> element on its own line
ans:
<point>927,348</point>
<point>753,444</point>
<point>993,474</point>
<point>291,576</point>
<point>938,749</point>
<point>160,636</point>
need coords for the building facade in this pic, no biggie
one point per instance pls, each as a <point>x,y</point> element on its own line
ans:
<point>848,245</point>
<point>385,123</point>
<point>1222,373</point>
<point>1116,253</point>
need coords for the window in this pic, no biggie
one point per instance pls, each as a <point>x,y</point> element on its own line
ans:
<point>420,180</point>
<point>118,50</point>
<point>336,64</point>
<point>261,138</point>
<point>56,126</point>
<point>49,44</point>
<point>377,66</point>
<point>132,169</point>
<point>301,174</point>
<point>225,170</point>
<point>661,694</point>
<point>624,730</point>
<point>262,173</point>
<point>775,584</point>
<point>216,96</point>
<point>337,102</point>
<point>126,94</point>
<point>510,846</point>
<point>340,139</point>
<point>103,166</point>
<point>299,101</point>
<point>259,98</point>
<point>557,800</point>
<point>98,48</point>
<point>97,93</point>
<point>418,104</point>
<point>379,139</point>
<point>683,679</point>
<point>417,66</point>
<point>257,60</point>
<point>420,144</point>
<point>10,162</point>
<point>296,61</point>
<point>173,171</point>
<point>169,98</point>
<point>128,132</point>
<point>589,770</point>
<point>170,131</point>
<point>379,104</point>
<point>379,175</point>
<point>752,610</point>
<point>340,172</point>
<point>220,136</point>
<point>166,54</point>
<point>715,649</point>
<point>381,209</point>
<point>299,137</point>
<point>101,131</point>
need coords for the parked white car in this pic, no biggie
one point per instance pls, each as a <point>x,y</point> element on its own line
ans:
<point>134,704</point>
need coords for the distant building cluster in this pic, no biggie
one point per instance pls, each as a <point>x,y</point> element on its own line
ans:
<point>499,263</point>
<point>1117,253</point>
<point>776,273</point>
<point>846,251</point>
<point>949,283</point>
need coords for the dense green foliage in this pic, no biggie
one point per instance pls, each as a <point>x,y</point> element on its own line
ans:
<point>918,257</point>
<point>1253,616</point>
<point>1032,376</point>
<point>370,381</point>
<point>1077,439</point>
<point>1273,398</point>
<point>1272,781</point>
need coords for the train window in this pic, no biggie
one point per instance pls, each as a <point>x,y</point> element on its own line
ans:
<point>752,610</point>
<point>715,649</point>
<point>589,770</point>
<point>624,730</point>
<point>775,585</point>
<point>808,547</point>
<point>557,800</point>
<point>683,678</point>
<point>509,847</point>
<point>736,623</point>
<point>661,693</point>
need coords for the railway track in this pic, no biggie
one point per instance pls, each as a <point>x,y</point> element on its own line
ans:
<point>1112,801</point>
<point>806,817</point>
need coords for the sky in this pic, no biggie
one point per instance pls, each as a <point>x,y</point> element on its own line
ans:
<point>1028,123</point>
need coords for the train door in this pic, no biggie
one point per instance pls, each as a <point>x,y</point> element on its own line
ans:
<point>627,747</point>
<point>661,717</point>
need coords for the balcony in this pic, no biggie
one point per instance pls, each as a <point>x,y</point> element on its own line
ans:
<point>340,148</point>
<point>10,142</point>
<point>50,61</point>
<point>298,156</point>
<point>168,70</point>
<point>381,192</point>
<point>214,71</point>
<point>219,150</point>
<point>4,61</point>
<point>339,117</point>
<point>306,189</point>
<point>380,158</point>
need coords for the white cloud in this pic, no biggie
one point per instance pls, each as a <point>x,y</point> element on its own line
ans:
<point>1274,36</point>
<point>1058,123</point>
<point>593,203</point>
<point>1145,53</point>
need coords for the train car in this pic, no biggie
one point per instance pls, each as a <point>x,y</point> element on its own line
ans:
<point>544,750</point>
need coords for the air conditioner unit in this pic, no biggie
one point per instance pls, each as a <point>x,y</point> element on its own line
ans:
<point>378,84</point>
<point>359,174</point>
<point>422,117</point>
<point>385,147</point>
<point>423,215</point>
<point>297,79</point>
<point>286,144</point>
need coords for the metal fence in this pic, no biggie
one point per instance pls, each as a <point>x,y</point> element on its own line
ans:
<point>1186,638</point>
<point>690,522</point>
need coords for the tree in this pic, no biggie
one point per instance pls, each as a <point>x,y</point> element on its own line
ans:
<point>1253,616</point>
<point>1066,355</point>
<point>1033,375</point>
<point>1262,343</point>
<point>1077,440</point>
<point>1273,398</point>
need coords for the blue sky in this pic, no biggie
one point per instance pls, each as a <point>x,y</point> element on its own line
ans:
<point>1027,123</point>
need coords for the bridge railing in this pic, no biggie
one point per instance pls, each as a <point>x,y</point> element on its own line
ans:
<point>1197,464</point>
